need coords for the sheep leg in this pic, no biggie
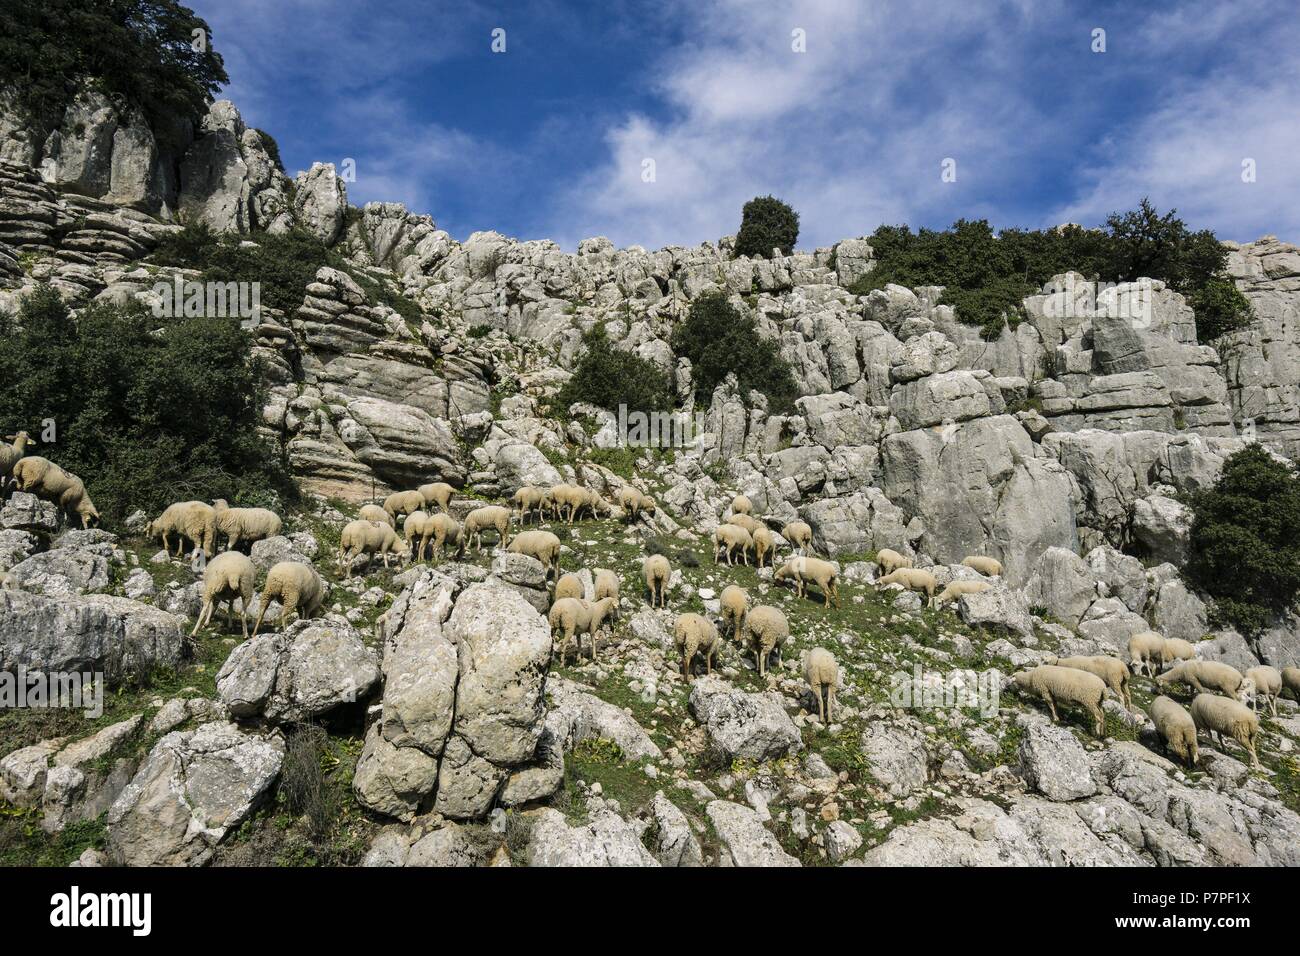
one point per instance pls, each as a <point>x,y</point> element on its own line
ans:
<point>199,623</point>
<point>262,613</point>
<point>1051,706</point>
<point>830,701</point>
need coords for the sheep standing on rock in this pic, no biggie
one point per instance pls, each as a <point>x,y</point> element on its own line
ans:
<point>657,571</point>
<point>542,545</point>
<point>728,538</point>
<point>9,456</point>
<point>805,571</point>
<point>569,586</point>
<point>376,513</point>
<point>1110,669</point>
<point>764,546</point>
<point>243,525</point>
<point>957,588</point>
<point>296,586</point>
<point>489,517</point>
<point>766,630</point>
<point>607,586</point>
<point>368,538</point>
<point>228,576</point>
<point>695,634</point>
<point>1146,652</point>
<point>911,579</point>
<point>989,567</point>
<point>740,505</point>
<point>438,493</point>
<point>528,500</point>
<point>1291,681</point>
<point>572,617</point>
<point>401,503</point>
<point>1219,715</point>
<point>1267,682</point>
<point>734,604</point>
<point>823,676</point>
<point>799,535</point>
<point>890,561</point>
<point>1205,677</point>
<point>1176,729</point>
<point>1065,685</point>
<point>46,480</point>
<point>195,520</point>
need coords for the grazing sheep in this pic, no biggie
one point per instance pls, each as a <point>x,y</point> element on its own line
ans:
<point>989,567</point>
<point>296,586</point>
<point>764,546</point>
<point>799,534</point>
<point>573,616</point>
<point>447,533</point>
<point>1146,651</point>
<point>369,538</point>
<point>805,571</point>
<point>241,525</point>
<point>823,676</point>
<point>1267,682</point>
<point>570,498</point>
<point>656,570</point>
<point>695,634</point>
<point>957,588</point>
<point>766,629</point>
<point>728,538</point>
<point>1066,685</point>
<point>403,503</point>
<point>1205,677</point>
<point>417,529</point>
<point>569,586</point>
<point>195,520</point>
<point>46,480</point>
<point>890,560</point>
<point>439,493</point>
<point>1291,681</point>
<point>228,576</point>
<point>528,500</point>
<point>734,603</point>
<point>481,519</point>
<point>750,524</point>
<point>911,579</point>
<point>376,513</point>
<point>10,454</point>
<point>1176,728</point>
<point>1110,669</point>
<point>1218,716</point>
<point>1177,649</point>
<point>648,505</point>
<point>740,505</point>
<point>607,586</point>
<point>542,545</point>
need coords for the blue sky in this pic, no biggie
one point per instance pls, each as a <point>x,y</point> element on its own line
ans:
<point>550,138</point>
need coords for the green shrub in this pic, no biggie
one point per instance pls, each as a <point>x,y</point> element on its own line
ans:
<point>146,410</point>
<point>1245,539</point>
<point>719,340</point>
<point>767,223</point>
<point>1220,308</point>
<point>608,377</point>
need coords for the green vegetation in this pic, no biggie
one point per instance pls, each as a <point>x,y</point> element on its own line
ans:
<point>719,341</point>
<point>767,223</point>
<point>608,377</point>
<point>1245,540</point>
<point>146,410</point>
<point>142,51</point>
<point>985,276</point>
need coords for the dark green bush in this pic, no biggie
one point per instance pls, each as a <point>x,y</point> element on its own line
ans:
<point>1220,308</point>
<point>146,410</point>
<point>719,341</point>
<point>608,377</point>
<point>1245,540</point>
<point>767,223</point>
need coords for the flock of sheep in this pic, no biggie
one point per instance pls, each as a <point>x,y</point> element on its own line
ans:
<point>429,530</point>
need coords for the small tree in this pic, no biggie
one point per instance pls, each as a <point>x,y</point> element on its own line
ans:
<point>720,341</point>
<point>767,223</point>
<point>608,377</point>
<point>1245,539</point>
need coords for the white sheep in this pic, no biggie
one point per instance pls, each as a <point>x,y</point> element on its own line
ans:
<point>695,634</point>
<point>195,520</point>
<point>296,586</point>
<point>1110,669</point>
<point>10,454</point>
<point>1205,676</point>
<point>528,500</point>
<point>1146,652</point>
<point>369,538</point>
<point>403,503</point>
<point>542,545</point>
<point>374,512</point>
<point>228,576</point>
<point>447,533</point>
<point>1066,685</point>
<point>734,604</point>
<point>438,493</point>
<point>748,522</point>
<point>46,480</point>
<point>890,560</point>
<point>657,572</point>
<point>799,535</point>
<point>766,630</point>
<point>1219,715</point>
<point>574,617</point>
<point>764,546</point>
<point>1291,681</point>
<point>911,579</point>
<point>417,529</point>
<point>607,586</point>
<point>804,571</point>
<point>243,525</point>
<point>989,567</point>
<point>569,586</point>
<point>1177,649</point>
<point>957,588</point>
<point>1267,682</point>
<point>1176,729</point>
<point>493,517</point>
<point>823,676</point>
<point>740,505</point>
<point>573,499</point>
<point>727,539</point>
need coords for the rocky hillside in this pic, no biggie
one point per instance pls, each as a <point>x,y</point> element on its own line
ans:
<point>451,732</point>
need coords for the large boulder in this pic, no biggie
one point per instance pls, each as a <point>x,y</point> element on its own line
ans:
<point>743,839</point>
<point>743,725</point>
<point>1062,584</point>
<point>606,839</point>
